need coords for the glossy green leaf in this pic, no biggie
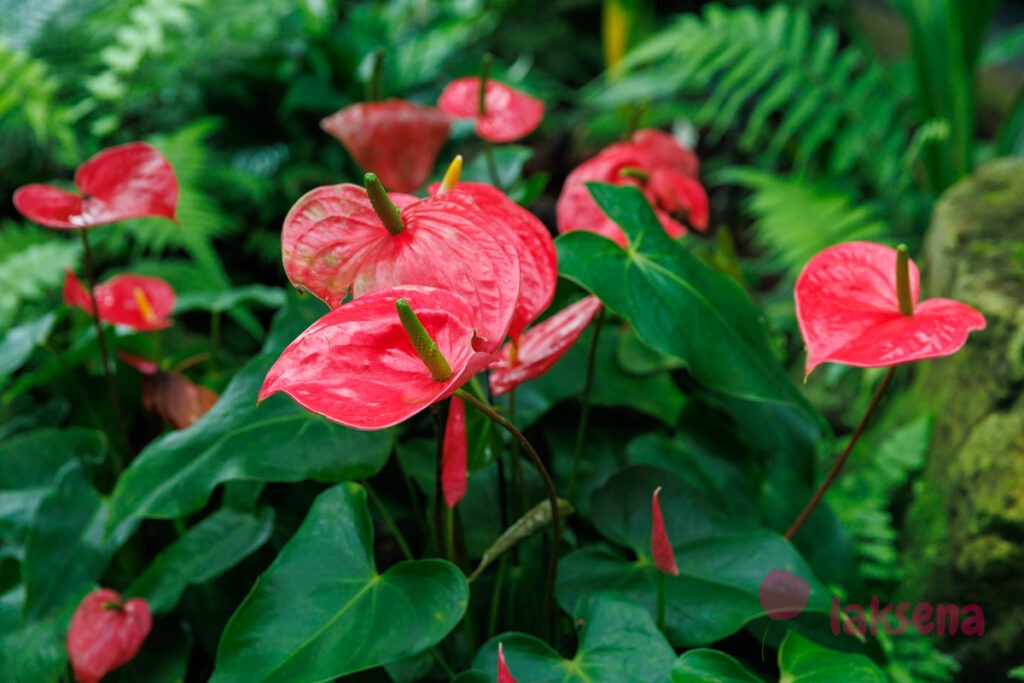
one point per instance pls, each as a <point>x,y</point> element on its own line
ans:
<point>618,643</point>
<point>29,464</point>
<point>722,559</point>
<point>238,439</point>
<point>802,661</point>
<point>710,666</point>
<point>676,304</point>
<point>508,160</point>
<point>206,551</point>
<point>66,549</point>
<point>321,610</point>
<point>33,649</point>
<point>218,301</point>
<point>18,343</point>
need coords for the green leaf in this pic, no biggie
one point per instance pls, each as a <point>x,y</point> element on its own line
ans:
<point>29,464</point>
<point>17,345</point>
<point>508,159</point>
<point>274,441</point>
<point>803,661</point>
<point>722,560</point>
<point>219,301</point>
<point>710,666</point>
<point>34,649</point>
<point>66,549</point>
<point>619,643</point>
<point>206,551</point>
<point>676,304</point>
<point>321,610</point>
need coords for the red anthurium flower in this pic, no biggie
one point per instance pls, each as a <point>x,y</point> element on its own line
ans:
<point>661,547</point>
<point>538,260</point>
<point>509,114</point>
<point>127,181</point>
<point>653,161</point>
<point>504,675</point>
<point>540,347</point>
<point>396,139</point>
<point>106,633</point>
<point>333,242</point>
<point>453,461</point>
<point>136,301</point>
<point>357,366</point>
<point>848,309</point>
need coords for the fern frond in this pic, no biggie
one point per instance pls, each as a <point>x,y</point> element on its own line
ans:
<point>31,273</point>
<point>28,101</point>
<point>795,98</point>
<point>797,217</point>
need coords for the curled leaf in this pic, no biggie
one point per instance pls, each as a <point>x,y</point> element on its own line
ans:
<point>536,518</point>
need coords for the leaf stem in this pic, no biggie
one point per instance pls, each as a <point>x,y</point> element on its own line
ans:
<point>588,383</point>
<point>556,531</point>
<point>838,466</point>
<point>389,520</point>
<point>90,276</point>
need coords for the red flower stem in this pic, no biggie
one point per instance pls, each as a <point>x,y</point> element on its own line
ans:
<point>556,521</point>
<point>581,432</point>
<point>90,276</point>
<point>838,466</point>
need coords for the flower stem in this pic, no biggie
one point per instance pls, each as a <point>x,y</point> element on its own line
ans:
<point>661,601</point>
<point>435,414</point>
<point>485,73</point>
<point>581,432</point>
<point>906,301</point>
<point>389,520</point>
<point>838,466</point>
<point>556,530</point>
<point>373,83</point>
<point>90,276</point>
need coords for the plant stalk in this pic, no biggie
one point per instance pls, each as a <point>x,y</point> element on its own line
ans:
<point>838,466</point>
<point>581,432</point>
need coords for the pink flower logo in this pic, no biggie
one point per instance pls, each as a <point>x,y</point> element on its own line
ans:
<point>783,594</point>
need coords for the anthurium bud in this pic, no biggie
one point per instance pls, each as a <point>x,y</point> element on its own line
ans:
<point>386,210</point>
<point>451,176</point>
<point>504,675</point>
<point>426,348</point>
<point>106,633</point>
<point>661,547</point>
<point>454,453</point>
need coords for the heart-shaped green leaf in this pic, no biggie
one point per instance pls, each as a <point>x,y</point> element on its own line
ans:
<point>321,610</point>
<point>206,551</point>
<point>702,665</point>
<point>274,441</point>
<point>677,305</point>
<point>619,643</point>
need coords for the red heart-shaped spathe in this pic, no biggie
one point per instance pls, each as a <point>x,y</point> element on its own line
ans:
<point>397,140</point>
<point>106,633</point>
<point>541,346</point>
<point>137,301</point>
<point>333,242</point>
<point>357,367</point>
<point>127,181</point>
<point>848,311</point>
<point>509,114</point>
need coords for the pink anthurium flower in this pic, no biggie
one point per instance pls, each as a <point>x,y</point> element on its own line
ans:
<point>661,547</point>
<point>508,115</point>
<point>357,365</point>
<point>540,347</point>
<point>127,181</point>
<point>653,161</point>
<point>454,453</point>
<point>538,260</point>
<point>849,311</point>
<point>106,633</point>
<point>136,301</point>
<point>396,139</point>
<point>334,242</point>
<point>504,675</point>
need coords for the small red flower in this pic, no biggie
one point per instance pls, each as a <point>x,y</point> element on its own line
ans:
<point>538,261</point>
<point>395,139</point>
<point>333,242</point>
<point>504,675</point>
<point>106,633</point>
<point>848,310</point>
<point>661,547</point>
<point>357,366</point>
<point>540,347</point>
<point>453,460</point>
<point>136,301</point>
<point>509,114</point>
<point>127,181</point>
<point>652,161</point>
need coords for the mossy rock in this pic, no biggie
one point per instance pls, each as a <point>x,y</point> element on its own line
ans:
<point>965,528</point>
